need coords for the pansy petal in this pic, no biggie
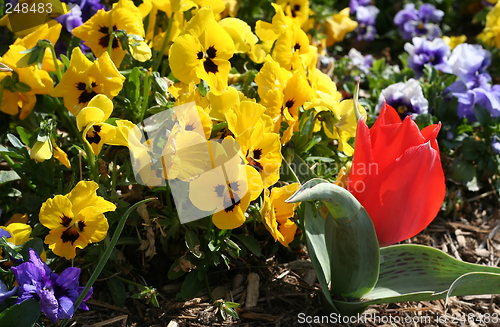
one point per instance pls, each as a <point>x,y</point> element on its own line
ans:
<point>56,212</point>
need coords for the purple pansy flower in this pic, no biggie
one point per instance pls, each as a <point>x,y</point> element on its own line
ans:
<point>363,63</point>
<point>469,62</point>
<point>355,4</point>
<point>486,96</point>
<point>3,233</point>
<point>56,293</point>
<point>366,16</point>
<point>412,22</point>
<point>407,98</point>
<point>81,11</point>
<point>5,293</point>
<point>424,52</point>
<point>72,19</point>
<point>495,144</point>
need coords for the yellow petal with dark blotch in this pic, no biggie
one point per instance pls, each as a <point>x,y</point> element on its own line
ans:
<point>184,60</point>
<point>89,115</point>
<point>56,212</point>
<point>232,216</point>
<point>207,192</point>
<point>92,224</point>
<point>104,103</point>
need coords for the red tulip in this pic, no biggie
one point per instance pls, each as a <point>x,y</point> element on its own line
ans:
<point>397,176</point>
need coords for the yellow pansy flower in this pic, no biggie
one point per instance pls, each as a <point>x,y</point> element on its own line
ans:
<point>231,8</point>
<point>453,41</point>
<point>276,213</point>
<point>282,94</point>
<point>139,50</point>
<point>60,155</point>
<point>75,219</point>
<point>85,79</point>
<point>298,9</point>
<point>23,23</point>
<point>19,233</point>
<point>91,120</point>
<point>41,151</point>
<point>17,218</point>
<point>221,103</point>
<point>290,45</point>
<point>269,32</point>
<point>244,40</point>
<point>338,119</point>
<point>96,31</point>
<point>262,151</point>
<point>491,32</point>
<point>228,188</point>
<point>337,26</point>
<point>44,32</point>
<point>202,51</point>
<point>24,84</point>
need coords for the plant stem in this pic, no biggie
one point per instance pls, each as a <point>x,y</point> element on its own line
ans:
<point>105,256</point>
<point>145,97</point>
<point>56,65</point>
<point>157,61</point>
<point>110,43</point>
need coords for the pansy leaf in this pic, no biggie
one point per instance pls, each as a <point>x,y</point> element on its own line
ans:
<point>117,290</point>
<point>15,141</point>
<point>193,243</point>
<point>36,244</point>
<point>24,314</point>
<point>65,60</point>
<point>192,285</point>
<point>410,272</point>
<point>8,176</point>
<point>22,87</point>
<point>250,243</point>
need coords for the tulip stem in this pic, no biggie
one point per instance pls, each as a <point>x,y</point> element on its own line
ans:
<point>105,256</point>
<point>56,64</point>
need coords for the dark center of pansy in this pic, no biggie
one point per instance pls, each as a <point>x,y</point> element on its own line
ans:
<point>70,235</point>
<point>93,134</point>
<point>211,52</point>
<point>87,92</point>
<point>81,225</point>
<point>65,221</point>
<point>189,127</point>
<point>289,104</point>
<point>295,9</point>
<point>233,200</point>
<point>210,66</point>
<point>296,47</point>
<point>104,41</point>
<point>219,189</point>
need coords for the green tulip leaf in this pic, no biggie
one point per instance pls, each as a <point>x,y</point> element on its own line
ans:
<point>349,236</point>
<point>411,272</point>
<point>316,246</point>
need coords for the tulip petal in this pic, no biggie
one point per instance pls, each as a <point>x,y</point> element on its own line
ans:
<point>404,198</point>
